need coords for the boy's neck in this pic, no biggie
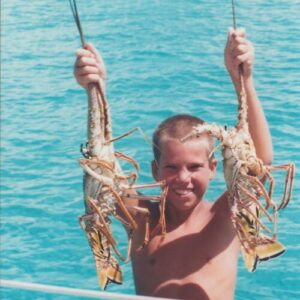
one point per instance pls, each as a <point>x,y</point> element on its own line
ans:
<point>175,218</point>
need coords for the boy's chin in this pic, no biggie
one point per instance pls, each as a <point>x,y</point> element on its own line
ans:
<point>183,204</point>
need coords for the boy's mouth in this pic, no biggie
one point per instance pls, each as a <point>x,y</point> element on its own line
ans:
<point>183,192</point>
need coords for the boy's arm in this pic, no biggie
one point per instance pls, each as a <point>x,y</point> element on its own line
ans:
<point>239,51</point>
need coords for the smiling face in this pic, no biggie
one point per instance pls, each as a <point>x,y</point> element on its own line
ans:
<point>187,170</point>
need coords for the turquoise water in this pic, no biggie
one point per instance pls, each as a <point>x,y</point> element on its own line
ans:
<point>163,57</point>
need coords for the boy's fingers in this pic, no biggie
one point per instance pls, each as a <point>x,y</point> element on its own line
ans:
<point>240,49</point>
<point>90,47</point>
<point>239,44</point>
<point>240,40</point>
<point>85,80</point>
<point>83,52</point>
<point>85,61</point>
<point>230,31</point>
<point>235,38</point>
<point>92,78</point>
<point>242,58</point>
<point>239,32</point>
<point>87,70</point>
<point>229,35</point>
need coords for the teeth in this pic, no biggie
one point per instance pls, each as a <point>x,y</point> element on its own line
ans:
<point>183,191</point>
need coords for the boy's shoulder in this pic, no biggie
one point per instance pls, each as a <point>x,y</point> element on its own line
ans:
<point>153,207</point>
<point>221,205</point>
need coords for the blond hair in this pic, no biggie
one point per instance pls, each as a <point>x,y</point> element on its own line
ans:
<point>178,127</point>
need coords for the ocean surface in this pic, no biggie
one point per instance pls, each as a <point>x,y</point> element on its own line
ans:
<point>162,58</point>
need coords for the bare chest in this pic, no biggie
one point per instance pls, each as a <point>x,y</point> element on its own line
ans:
<point>186,257</point>
<point>185,252</point>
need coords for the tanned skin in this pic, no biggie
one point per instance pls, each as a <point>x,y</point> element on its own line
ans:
<point>197,257</point>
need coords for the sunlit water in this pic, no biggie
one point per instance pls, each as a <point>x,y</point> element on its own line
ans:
<point>163,57</point>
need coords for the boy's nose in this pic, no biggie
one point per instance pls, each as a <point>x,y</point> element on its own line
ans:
<point>183,176</point>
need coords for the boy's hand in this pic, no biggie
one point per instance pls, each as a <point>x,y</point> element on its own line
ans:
<point>238,51</point>
<point>89,66</point>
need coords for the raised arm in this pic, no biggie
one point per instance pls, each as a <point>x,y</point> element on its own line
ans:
<point>239,51</point>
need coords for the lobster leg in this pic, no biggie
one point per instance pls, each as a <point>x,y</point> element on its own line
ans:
<point>260,186</point>
<point>289,179</point>
<point>127,158</point>
<point>162,218</point>
<point>255,200</point>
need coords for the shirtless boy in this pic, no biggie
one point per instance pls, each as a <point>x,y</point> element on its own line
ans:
<point>197,258</point>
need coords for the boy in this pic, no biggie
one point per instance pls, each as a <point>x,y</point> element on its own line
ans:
<point>197,258</point>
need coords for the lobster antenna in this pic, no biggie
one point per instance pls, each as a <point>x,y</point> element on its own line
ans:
<point>233,14</point>
<point>242,118</point>
<point>77,20</point>
<point>234,27</point>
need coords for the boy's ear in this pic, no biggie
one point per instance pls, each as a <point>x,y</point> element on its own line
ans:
<point>154,168</point>
<point>213,168</point>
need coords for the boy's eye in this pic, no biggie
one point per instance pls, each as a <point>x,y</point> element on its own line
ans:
<point>196,167</point>
<point>170,167</point>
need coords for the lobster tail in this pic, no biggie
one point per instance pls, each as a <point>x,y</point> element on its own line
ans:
<point>108,275</point>
<point>107,272</point>
<point>269,250</point>
<point>265,251</point>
